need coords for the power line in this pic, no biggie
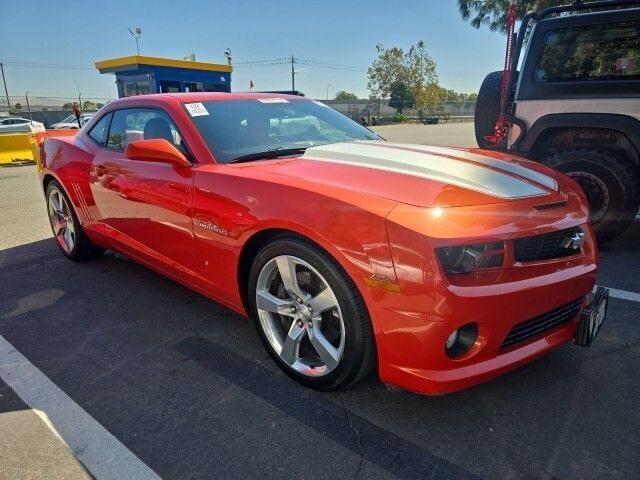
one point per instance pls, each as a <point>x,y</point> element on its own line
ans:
<point>48,65</point>
<point>271,61</point>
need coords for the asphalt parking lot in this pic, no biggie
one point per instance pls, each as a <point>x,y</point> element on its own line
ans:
<point>186,388</point>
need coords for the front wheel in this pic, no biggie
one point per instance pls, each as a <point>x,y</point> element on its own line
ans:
<point>310,316</point>
<point>610,183</point>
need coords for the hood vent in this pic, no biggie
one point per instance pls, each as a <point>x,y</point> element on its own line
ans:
<point>547,206</point>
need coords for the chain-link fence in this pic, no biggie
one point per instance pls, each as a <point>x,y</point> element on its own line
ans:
<point>49,110</point>
<point>380,111</point>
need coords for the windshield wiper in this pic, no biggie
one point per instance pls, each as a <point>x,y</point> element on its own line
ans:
<point>275,153</point>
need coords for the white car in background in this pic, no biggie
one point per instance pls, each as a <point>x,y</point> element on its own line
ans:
<point>17,124</point>
<point>71,122</point>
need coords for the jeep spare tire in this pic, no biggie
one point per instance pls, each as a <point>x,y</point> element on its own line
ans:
<point>487,109</point>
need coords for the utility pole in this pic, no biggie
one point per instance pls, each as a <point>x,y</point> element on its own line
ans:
<point>293,73</point>
<point>5,86</point>
<point>26,97</point>
<point>328,87</point>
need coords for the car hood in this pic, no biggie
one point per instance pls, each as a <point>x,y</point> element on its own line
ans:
<point>419,175</point>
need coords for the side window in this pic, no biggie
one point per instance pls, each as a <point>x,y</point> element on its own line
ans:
<point>99,131</point>
<point>133,124</point>
<point>601,52</point>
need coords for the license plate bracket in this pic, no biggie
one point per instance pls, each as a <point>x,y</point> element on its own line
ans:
<point>592,317</point>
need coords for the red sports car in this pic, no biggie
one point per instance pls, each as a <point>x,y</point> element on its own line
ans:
<point>440,267</point>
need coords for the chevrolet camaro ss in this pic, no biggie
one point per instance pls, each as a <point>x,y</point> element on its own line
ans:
<point>440,267</point>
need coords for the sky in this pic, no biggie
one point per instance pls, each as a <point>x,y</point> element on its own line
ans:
<point>48,46</point>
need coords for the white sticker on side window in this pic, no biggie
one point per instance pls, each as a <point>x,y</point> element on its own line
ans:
<point>196,109</point>
<point>273,100</point>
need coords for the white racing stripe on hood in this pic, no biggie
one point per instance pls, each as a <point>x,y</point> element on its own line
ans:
<point>511,167</point>
<point>379,156</point>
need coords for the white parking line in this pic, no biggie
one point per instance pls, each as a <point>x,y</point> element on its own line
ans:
<point>98,450</point>
<point>621,294</point>
<point>624,295</point>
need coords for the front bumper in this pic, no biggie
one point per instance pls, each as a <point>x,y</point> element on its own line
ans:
<point>411,327</point>
<point>410,341</point>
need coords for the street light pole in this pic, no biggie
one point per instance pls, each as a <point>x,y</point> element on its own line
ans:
<point>136,34</point>
<point>328,86</point>
<point>6,92</point>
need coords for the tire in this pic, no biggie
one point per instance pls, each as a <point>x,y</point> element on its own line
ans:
<point>73,242</point>
<point>487,109</point>
<point>353,346</point>
<point>611,184</point>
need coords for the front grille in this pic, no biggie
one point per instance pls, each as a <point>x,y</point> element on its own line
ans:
<point>544,247</point>
<point>541,323</point>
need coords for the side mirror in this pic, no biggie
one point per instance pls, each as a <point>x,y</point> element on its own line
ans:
<point>156,150</point>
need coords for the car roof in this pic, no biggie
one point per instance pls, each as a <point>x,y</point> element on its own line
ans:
<point>190,97</point>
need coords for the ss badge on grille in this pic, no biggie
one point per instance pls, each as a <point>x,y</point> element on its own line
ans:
<point>574,241</point>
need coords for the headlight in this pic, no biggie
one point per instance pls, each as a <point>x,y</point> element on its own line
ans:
<point>467,258</point>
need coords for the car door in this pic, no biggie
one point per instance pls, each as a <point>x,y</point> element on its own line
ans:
<point>145,206</point>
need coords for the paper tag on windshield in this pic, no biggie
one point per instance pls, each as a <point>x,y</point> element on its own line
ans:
<point>196,109</point>
<point>273,100</point>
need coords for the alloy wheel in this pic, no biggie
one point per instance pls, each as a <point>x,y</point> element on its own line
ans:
<point>300,316</point>
<point>61,220</point>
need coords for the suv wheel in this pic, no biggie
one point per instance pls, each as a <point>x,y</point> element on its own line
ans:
<point>611,184</point>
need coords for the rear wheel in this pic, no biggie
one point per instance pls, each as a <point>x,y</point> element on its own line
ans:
<point>611,184</point>
<point>66,228</point>
<point>310,316</point>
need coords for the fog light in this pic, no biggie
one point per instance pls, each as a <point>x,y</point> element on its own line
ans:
<point>461,340</point>
<point>451,341</point>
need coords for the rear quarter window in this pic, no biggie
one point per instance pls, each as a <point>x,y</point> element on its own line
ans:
<point>100,130</point>
<point>600,52</point>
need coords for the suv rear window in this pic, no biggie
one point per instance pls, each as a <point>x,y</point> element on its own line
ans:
<point>598,52</point>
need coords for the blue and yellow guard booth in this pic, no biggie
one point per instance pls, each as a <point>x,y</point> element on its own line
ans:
<point>140,75</point>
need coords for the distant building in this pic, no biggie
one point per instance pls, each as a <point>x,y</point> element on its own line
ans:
<point>140,75</point>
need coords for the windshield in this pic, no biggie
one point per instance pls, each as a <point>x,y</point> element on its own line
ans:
<point>242,128</point>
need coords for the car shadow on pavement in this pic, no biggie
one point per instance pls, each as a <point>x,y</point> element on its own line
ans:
<point>186,385</point>
<point>375,444</point>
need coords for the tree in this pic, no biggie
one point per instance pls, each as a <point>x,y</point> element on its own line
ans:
<point>88,105</point>
<point>430,97</point>
<point>396,70</point>
<point>400,96</point>
<point>342,95</point>
<point>494,12</point>
<point>17,107</point>
<point>67,106</point>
